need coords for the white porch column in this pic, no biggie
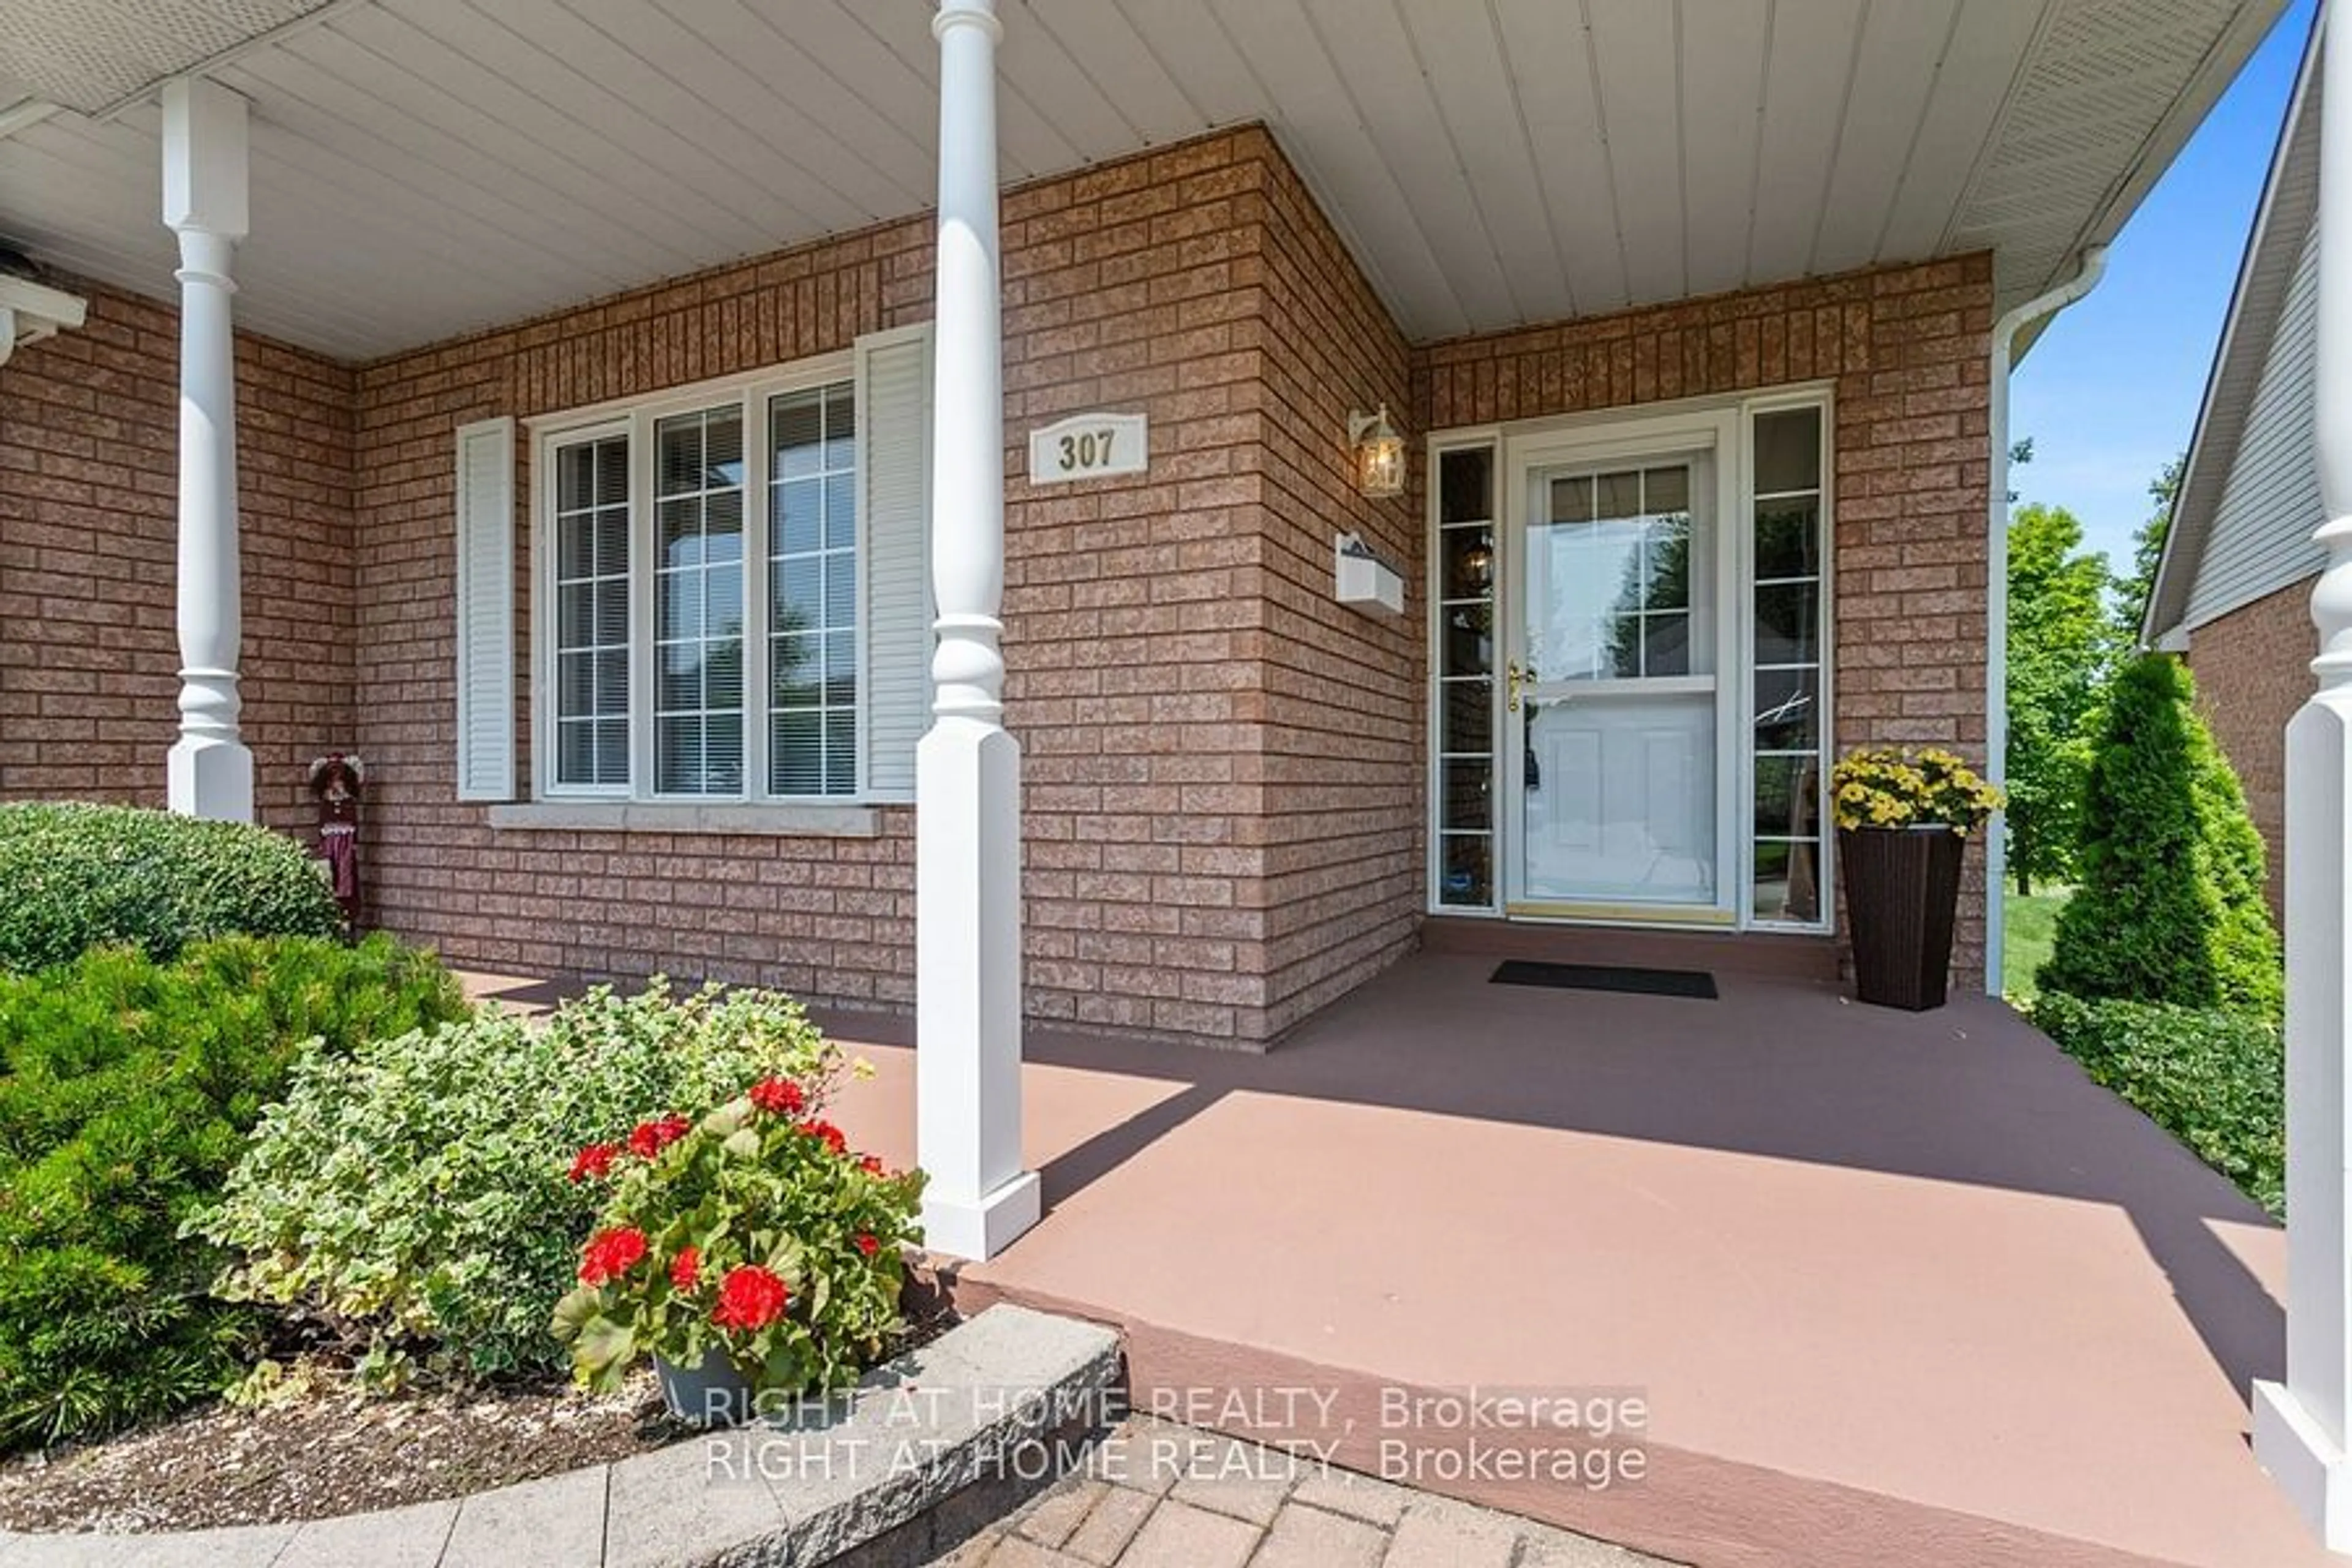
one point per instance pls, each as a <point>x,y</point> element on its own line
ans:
<point>2301,1427</point>
<point>968,769</point>
<point>211,772</point>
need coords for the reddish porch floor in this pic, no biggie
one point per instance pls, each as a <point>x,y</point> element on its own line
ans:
<point>1895,1289</point>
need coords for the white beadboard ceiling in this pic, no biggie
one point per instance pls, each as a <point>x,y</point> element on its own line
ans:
<point>422,168</point>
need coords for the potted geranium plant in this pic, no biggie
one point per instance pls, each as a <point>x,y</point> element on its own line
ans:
<point>750,1253</point>
<point>1903,820</point>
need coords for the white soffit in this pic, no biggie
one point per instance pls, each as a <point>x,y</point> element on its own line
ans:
<point>422,168</point>
<point>89,55</point>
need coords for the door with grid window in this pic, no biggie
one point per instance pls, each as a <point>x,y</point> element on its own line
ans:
<point>1611,685</point>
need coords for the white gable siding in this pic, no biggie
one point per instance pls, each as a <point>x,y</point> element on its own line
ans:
<point>2261,540</point>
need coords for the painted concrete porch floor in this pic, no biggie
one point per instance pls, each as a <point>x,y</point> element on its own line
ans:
<point>1895,1289</point>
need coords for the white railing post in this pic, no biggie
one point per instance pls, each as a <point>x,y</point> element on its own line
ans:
<point>968,768</point>
<point>2301,1426</point>
<point>210,773</point>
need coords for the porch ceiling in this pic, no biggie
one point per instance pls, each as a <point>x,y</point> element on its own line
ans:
<point>426,167</point>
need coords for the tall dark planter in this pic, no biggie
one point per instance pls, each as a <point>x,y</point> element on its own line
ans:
<point>1902,893</point>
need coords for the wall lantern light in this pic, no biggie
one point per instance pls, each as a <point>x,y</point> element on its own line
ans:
<point>1380,453</point>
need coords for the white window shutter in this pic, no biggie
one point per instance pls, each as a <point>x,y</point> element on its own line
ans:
<point>486,610</point>
<point>893,466</point>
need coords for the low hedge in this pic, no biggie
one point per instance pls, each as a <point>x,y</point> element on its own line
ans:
<point>77,876</point>
<point>2213,1078</point>
<point>126,1088</point>
<point>419,1198</point>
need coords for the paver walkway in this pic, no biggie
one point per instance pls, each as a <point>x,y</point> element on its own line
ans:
<point>1156,1495</point>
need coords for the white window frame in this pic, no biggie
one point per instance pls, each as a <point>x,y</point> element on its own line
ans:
<point>545,659</point>
<point>1811,395</point>
<point>1635,429</point>
<point>638,418</point>
<point>1488,437</point>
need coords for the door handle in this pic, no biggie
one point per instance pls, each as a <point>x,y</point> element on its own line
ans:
<point>1515,674</point>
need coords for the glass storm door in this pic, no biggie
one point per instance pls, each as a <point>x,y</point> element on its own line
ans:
<point>1610,775</point>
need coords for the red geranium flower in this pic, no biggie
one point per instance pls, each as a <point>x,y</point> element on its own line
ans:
<point>611,1254</point>
<point>866,1244</point>
<point>750,1298</point>
<point>871,1164</point>
<point>651,1138</point>
<point>778,1096</point>
<point>832,1135</point>
<point>686,1268</point>
<point>596,1160</point>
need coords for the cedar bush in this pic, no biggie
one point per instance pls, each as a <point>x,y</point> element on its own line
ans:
<point>2216,1080</point>
<point>77,876</point>
<point>126,1087</point>
<point>2168,907</point>
<point>419,1199</point>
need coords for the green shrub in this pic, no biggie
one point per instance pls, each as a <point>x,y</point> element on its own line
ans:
<point>2168,906</point>
<point>126,1087</point>
<point>77,876</point>
<point>416,1195</point>
<point>2216,1080</point>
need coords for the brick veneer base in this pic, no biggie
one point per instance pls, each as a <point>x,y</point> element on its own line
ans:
<point>2254,671</point>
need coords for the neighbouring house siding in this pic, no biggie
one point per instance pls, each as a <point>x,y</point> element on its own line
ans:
<point>89,648</point>
<point>1905,351</point>
<point>2260,541</point>
<point>2254,671</point>
<point>1221,773</point>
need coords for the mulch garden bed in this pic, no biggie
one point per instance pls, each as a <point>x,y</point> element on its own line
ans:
<point>325,1454</point>
<point>334,1453</point>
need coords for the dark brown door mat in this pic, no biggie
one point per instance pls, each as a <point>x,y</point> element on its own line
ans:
<point>1693,982</point>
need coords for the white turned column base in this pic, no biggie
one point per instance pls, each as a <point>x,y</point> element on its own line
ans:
<point>978,1229</point>
<point>2316,1475</point>
<point>212,777</point>
<point>968,988</point>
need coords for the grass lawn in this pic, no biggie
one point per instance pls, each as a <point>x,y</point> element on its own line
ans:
<point>2032,925</point>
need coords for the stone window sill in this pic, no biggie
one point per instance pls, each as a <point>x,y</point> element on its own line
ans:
<point>797,821</point>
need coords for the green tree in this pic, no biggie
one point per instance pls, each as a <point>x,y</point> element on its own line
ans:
<point>2060,645</point>
<point>2147,551</point>
<point>2170,907</point>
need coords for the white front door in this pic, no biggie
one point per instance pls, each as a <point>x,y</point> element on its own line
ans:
<point>1614,639</point>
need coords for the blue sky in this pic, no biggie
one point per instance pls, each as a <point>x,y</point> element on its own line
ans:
<point>2110,392</point>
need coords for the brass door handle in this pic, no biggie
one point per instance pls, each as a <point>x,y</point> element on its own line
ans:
<point>1515,676</point>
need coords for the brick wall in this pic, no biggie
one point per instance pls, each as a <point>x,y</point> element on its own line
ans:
<point>89,652</point>
<point>2254,671</point>
<point>1343,811</point>
<point>1221,768</point>
<point>1905,349</point>
<point>1224,770</point>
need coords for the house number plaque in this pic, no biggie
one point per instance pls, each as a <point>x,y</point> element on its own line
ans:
<point>1089,447</point>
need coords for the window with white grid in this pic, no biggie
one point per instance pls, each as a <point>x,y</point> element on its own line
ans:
<point>734,587</point>
<point>813,599</point>
<point>591,612</point>
<point>697,603</point>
